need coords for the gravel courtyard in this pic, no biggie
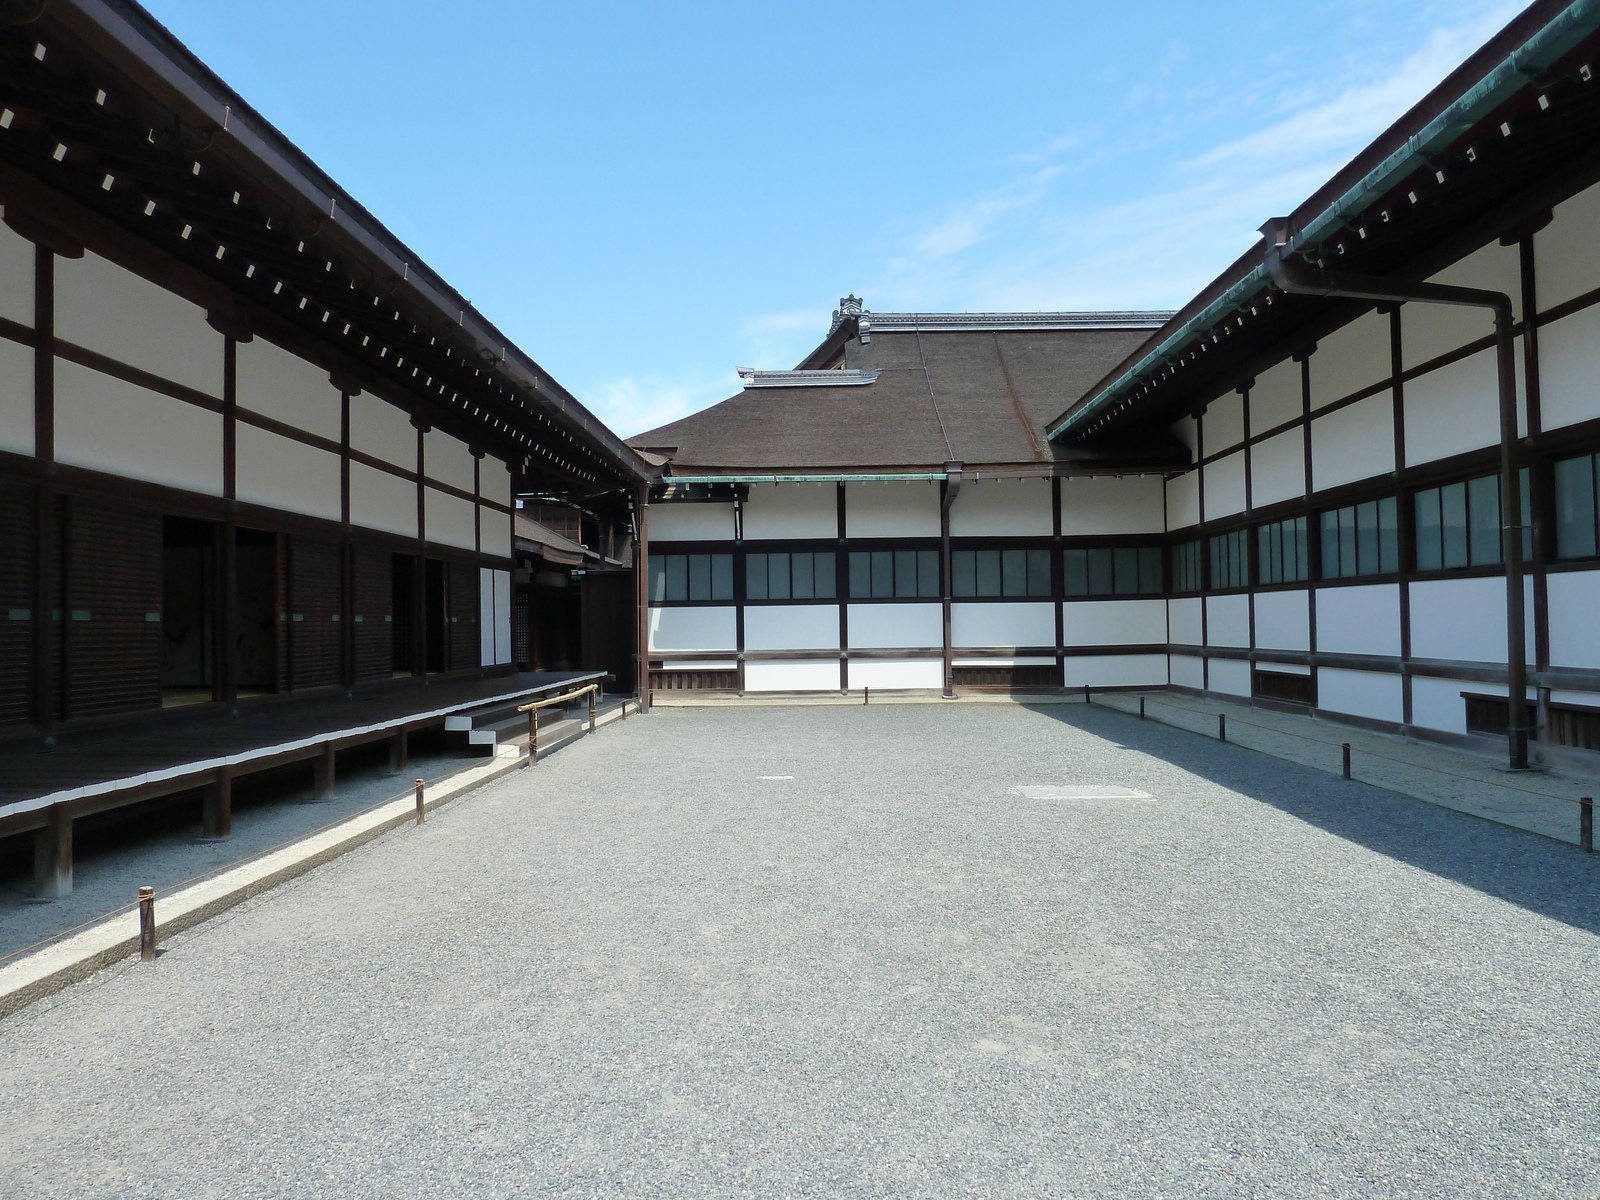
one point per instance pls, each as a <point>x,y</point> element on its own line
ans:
<point>826,952</point>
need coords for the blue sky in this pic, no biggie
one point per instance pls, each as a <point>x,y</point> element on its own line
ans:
<point>645,196</point>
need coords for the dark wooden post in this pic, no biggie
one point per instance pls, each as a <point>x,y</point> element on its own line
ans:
<point>591,709</point>
<point>641,568</point>
<point>217,808</point>
<point>325,771</point>
<point>147,924</point>
<point>52,855</point>
<point>398,756</point>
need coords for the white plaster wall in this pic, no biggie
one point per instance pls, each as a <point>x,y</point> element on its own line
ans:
<point>1275,398</point>
<point>1185,625</point>
<point>494,480</point>
<point>1569,369</point>
<point>16,397</point>
<point>792,627</point>
<point>1228,620</point>
<point>1283,621</point>
<point>1222,424</point>
<point>1230,676</point>
<point>690,522</point>
<point>495,536</point>
<point>1113,504</point>
<point>1018,624</point>
<point>693,629</point>
<point>1463,619</point>
<point>1278,468</point>
<point>1429,330</point>
<point>1574,599</point>
<point>1361,694</point>
<point>1183,501</point>
<point>1115,623</point>
<point>502,616</point>
<point>1437,703</point>
<point>282,473</point>
<point>1225,486</point>
<point>379,500</point>
<point>1563,251</point>
<point>1360,620</point>
<point>380,429</point>
<point>109,425</point>
<point>792,676</point>
<point>16,277</point>
<point>1356,442</point>
<point>1187,431</point>
<point>1115,670</point>
<point>448,520</point>
<point>116,313</point>
<point>447,460</point>
<point>1186,671</point>
<point>896,626</point>
<point>1350,358</point>
<point>891,509</point>
<point>1453,409</point>
<point>791,510</point>
<point>889,673</point>
<point>1002,508</point>
<point>277,384</point>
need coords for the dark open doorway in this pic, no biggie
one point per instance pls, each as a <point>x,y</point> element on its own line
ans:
<point>435,610</point>
<point>188,611</point>
<point>256,643</point>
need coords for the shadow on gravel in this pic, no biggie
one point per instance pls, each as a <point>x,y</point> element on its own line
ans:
<point>1548,877</point>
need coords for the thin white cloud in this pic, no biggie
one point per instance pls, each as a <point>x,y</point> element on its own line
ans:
<point>632,406</point>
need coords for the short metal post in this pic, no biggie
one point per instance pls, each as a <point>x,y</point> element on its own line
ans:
<point>1141,708</point>
<point>866,695</point>
<point>591,711</point>
<point>1346,753</point>
<point>1586,823</point>
<point>1222,727</point>
<point>1086,699</point>
<point>419,802</point>
<point>147,924</point>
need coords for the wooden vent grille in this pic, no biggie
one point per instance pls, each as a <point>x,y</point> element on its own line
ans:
<point>315,637</point>
<point>466,641</point>
<point>1281,685</point>
<point>1037,676</point>
<point>694,681</point>
<point>112,610</point>
<point>371,594</point>
<point>1574,725</point>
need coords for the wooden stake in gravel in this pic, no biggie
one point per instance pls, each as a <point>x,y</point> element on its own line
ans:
<point>419,802</point>
<point>147,924</point>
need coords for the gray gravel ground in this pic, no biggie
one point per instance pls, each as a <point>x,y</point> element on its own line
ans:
<point>642,970</point>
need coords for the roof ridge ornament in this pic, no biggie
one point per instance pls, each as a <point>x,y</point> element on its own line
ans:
<point>849,306</point>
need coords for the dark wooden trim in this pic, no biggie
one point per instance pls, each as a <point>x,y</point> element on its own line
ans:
<point>47,507</point>
<point>226,655</point>
<point>1058,579</point>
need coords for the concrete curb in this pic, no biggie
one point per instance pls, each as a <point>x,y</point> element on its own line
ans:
<point>56,966</point>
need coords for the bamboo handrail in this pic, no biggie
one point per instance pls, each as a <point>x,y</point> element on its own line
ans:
<point>557,699</point>
<point>533,715</point>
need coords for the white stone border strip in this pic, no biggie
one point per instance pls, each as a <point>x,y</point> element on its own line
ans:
<point>54,967</point>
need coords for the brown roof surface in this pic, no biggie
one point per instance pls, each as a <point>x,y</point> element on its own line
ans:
<point>992,391</point>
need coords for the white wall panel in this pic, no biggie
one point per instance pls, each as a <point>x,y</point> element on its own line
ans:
<point>1463,619</point>
<point>1222,424</point>
<point>1186,671</point>
<point>379,500</point>
<point>382,430</point>
<point>277,384</point>
<point>1437,703</point>
<point>16,397</point>
<point>282,473</point>
<point>1115,670</point>
<point>1283,621</point>
<point>1429,330</point>
<point>1453,409</point>
<point>1115,622</point>
<point>1361,620</point>
<point>895,626</point>
<point>891,509</point>
<point>1278,468</point>
<point>448,519</point>
<point>1017,624</point>
<point>792,510</point>
<point>1225,486</point>
<point>1230,676</point>
<point>693,629</point>
<point>496,532</point>
<point>1228,620</point>
<point>1356,442</point>
<point>1361,694</point>
<point>1114,504</point>
<point>1349,359</point>
<point>1276,397</point>
<point>685,521</point>
<point>1183,501</point>
<point>1564,258</point>
<point>447,460</point>
<point>1569,369</point>
<point>108,425</point>
<point>791,627</point>
<point>494,480</point>
<point>16,277</point>
<point>114,312</point>
<point>502,616</point>
<point>921,673</point>
<point>791,676</point>
<point>1002,508</point>
<point>1187,431</point>
<point>1574,631</point>
<point>1185,621</point>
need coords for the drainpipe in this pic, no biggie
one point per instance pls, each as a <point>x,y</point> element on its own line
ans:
<point>1299,279</point>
